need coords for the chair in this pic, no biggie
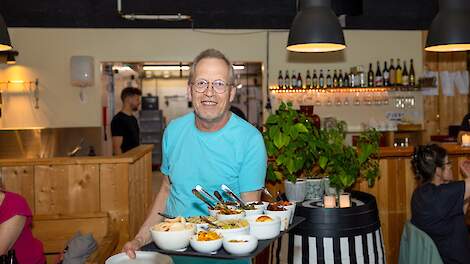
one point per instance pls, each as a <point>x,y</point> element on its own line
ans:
<point>417,247</point>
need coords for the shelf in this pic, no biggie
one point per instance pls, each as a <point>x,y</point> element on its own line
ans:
<point>274,89</point>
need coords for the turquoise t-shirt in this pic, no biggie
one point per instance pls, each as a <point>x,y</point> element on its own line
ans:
<point>234,155</point>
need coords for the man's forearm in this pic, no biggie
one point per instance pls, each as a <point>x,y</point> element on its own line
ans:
<point>251,196</point>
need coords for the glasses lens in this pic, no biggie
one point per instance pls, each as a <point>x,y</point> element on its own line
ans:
<point>219,86</point>
<point>201,85</point>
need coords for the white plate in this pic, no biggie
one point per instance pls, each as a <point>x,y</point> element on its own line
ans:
<point>143,257</point>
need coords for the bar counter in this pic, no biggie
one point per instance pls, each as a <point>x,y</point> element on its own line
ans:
<point>395,187</point>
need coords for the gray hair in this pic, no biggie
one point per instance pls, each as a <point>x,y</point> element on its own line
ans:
<point>214,54</point>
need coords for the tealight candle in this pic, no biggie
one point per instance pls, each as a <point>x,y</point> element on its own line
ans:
<point>329,201</point>
<point>344,200</point>
<point>466,140</point>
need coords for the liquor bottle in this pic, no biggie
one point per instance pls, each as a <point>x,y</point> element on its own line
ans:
<point>299,81</point>
<point>405,78</point>
<point>379,81</point>
<point>11,258</point>
<point>370,76</point>
<point>321,80</point>
<point>335,78</point>
<point>412,74</point>
<point>329,80</point>
<point>392,73</point>
<point>346,80</point>
<point>398,74</point>
<point>280,81</point>
<point>386,75</point>
<point>286,80</point>
<point>308,80</point>
<point>315,84</point>
<point>293,80</point>
<point>340,79</point>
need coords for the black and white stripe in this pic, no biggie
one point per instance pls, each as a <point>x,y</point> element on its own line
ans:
<point>361,249</point>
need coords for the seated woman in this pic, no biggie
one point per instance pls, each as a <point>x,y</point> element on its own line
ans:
<point>439,204</point>
<point>15,229</point>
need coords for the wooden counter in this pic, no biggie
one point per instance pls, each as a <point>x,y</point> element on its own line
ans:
<point>86,185</point>
<point>395,187</point>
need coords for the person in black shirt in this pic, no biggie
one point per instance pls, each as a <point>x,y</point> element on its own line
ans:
<point>124,126</point>
<point>439,204</point>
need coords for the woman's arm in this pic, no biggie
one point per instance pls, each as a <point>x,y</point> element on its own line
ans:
<point>10,230</point>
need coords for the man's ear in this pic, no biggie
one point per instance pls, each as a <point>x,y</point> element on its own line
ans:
<point>188,92</point>
<point>233,91</point>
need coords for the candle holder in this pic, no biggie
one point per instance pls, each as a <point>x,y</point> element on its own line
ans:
<point>329,201</point>
<point>466,140</point>
<point>345,200</point>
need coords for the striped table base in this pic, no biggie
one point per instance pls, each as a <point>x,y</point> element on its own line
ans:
<point>362,249</point>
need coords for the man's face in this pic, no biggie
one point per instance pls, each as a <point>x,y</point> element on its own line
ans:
<point>209,105</point>
<point>134,102</point>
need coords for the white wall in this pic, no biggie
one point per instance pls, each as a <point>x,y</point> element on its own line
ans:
<point>45,54</point>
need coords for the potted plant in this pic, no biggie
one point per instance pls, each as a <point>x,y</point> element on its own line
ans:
<point>288,136</point>
<point>344,164</point>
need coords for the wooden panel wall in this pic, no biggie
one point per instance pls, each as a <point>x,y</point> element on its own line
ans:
<point>20,180</point>
<point>441,111</point>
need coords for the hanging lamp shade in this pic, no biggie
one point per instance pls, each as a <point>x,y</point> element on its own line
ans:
<point>11,58</point>
<point>450,29</point>
<point>315,28</point>
<point>5,43</point>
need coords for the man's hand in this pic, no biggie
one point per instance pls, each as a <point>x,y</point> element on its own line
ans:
<point>131,247</point>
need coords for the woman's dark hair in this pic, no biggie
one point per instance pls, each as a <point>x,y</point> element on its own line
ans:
<point>426,159</point>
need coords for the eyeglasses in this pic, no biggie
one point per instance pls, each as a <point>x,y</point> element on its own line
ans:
<point>201,86</point>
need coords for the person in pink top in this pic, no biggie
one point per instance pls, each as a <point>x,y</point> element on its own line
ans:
<point>15,229</point>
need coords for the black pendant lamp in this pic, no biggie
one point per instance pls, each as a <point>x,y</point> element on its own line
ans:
<point>450,29</point>
<point>11,58</point>
<point>315,28</point>
<point>5,43</point>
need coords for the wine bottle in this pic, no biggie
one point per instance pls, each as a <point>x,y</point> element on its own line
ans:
<point>315,84</point>
<point>321,80</point>
<point>392,73</point>
<point>398,74</point>
<point>405,78</point>
<point>386,75</point>
<point>280,81</point>
<point>370,76</point>
<point>340,79</point>
<point>346,80</point>
<point>308,80</point>
<point>299,81</point>
<point>335,78</point>
<point>379,81</point>
<point>412,74</point>
<point>286,80</point>
<point>329,80</point>
<point>293,80</point>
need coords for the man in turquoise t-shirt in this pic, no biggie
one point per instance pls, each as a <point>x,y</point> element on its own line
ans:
<point>209,147</point>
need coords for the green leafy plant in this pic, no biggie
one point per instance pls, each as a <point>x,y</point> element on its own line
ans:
<point>287,137</point>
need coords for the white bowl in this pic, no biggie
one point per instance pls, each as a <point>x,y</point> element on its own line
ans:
<point>240,248</point>
<point>222,217</point>
<point>234,231</point>
<point>284,216</point>
<point>202,227</point>
<point>257,211</point>
<point>172,240</point>
<point>143,257</point>
<point>205,246</point>
<point>291,208</point>
<point>265,205</point>
<point>264,230</point>
<point>258,206</point>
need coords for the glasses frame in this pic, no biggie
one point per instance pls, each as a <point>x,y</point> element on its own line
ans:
<point>211,84</point>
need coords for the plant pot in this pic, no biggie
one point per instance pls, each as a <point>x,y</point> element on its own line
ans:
<point>315,189</point>
<point>295,192</point>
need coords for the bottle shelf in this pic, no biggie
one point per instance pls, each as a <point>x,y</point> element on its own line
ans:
<point>274,89</point>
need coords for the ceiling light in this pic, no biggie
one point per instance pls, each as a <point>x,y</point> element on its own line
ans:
<point>11,58</point>
<point>238,67</point>
<point>165,67</point>
<point>315,28</point>
<point>449,29</point>
<point>5,43</point>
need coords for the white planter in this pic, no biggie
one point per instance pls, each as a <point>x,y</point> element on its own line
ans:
<point>295,192</point>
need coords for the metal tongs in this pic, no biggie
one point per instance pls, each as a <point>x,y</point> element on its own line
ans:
<point>229,192</point>
<point>202,198</point>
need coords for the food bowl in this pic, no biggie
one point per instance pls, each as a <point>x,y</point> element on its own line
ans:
<point>291,208</point>
<point>172,240</point>
<point>264,226</point>
<point>230,214</point>
<point>233,227</point>
<point>284,216</point>
<point>213,212</point>
<point>265,205</point>
<point>256,211</point>
<point>240,244</point>
<point>200,224</point>
<point>205,246</point>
